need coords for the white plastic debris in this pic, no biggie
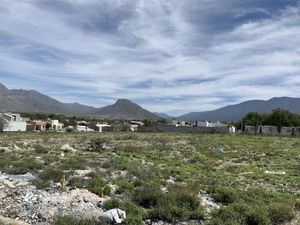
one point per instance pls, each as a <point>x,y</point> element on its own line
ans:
<point>275,172</point>
<point>115,215</point>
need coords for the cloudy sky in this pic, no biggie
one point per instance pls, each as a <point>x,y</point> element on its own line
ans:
<point>171,56</point>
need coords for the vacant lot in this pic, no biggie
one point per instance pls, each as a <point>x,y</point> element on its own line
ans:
<point>164,177</point>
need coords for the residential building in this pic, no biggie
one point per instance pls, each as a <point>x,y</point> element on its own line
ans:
<point>82,126</point>
<point>12,122</point>
<point>208,124</point>
<point>56,125</point>
<point>36,125</point>
<point>100,126</point>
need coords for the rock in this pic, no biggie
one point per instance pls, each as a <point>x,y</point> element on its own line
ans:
<point>114,215</point>
<point>9,184</point>
<point>67,147</point>
<point>207,202</point>
<point>8,221</point>
<point>23,214</point>
<point>15,147</point>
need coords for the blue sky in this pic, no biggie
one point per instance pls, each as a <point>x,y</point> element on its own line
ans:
<point>172,56</point>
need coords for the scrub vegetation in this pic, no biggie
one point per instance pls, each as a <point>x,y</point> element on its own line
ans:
<point>159,176</point>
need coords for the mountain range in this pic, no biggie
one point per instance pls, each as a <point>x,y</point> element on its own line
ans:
<point>238,111</point>
<point>35,102</point>
<point>18,100</point>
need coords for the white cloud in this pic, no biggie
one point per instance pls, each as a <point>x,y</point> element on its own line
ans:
<point>109,49</point>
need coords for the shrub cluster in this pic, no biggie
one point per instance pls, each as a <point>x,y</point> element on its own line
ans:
<point>179,204</point>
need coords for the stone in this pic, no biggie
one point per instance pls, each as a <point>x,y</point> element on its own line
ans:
<point>114,215</point>
<point>9,184</point>
<point>67,147</point>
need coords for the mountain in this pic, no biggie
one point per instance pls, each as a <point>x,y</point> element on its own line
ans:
<point>32,101</point>
<point>238,111</point>
<point>125,109</point>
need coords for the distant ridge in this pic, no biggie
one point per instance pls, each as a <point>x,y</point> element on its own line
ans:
<point>238,111</point>
<point>16,100</point>
<point>125,109</point>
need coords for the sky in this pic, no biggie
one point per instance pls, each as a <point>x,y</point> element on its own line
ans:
<point>172,56</point>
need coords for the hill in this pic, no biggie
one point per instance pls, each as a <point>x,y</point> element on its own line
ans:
<point>125,109</point>
<point>238,111</point>
<point>18,100</point>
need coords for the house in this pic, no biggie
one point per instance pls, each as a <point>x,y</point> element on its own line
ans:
<point>250,129</point>
<point>267,130</point>
<point>36,125</point>
<point>180,123</point>
<point>12,122</point>
<point>100,126</point>
<point>133,127</point>
<point>208,124</point>
<point>232,129</point>
<point>56,125</point>
<point>82,126</point>
<point>290,131</point>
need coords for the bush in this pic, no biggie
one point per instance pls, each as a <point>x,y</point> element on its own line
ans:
<point>51,174</point>
<point>77,182</point>
<point>24,166</point>
<point>124,186</point>
<point>179,204</point>
<point>134,214</point>
<point>97,144</point>
<point>68,220</point>
<point>40,149</point>
<point>281,213</point>
<point>98,186</point>
<point>257,216</point>
<point>112,204</point>
<point>224,195</point>
<point>147,196</point>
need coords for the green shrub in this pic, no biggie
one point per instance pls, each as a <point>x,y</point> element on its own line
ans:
<point>224,195</point>
<point>280,213</point>
<point>98,186</point>
<point>77,182</point>
<point>40,149</point>
<point>68,220</point>
<point>97,144</point>
<point>147,196</point>
<point>51,174</point>
<point>124,186</point>
<point>257,216</point>
<point>24,166</point>
<point>112,204</point>
<point>198,214</point>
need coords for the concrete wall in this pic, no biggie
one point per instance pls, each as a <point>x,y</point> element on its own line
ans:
<point>268,130</point>
<point>273,130</point>
<point>15,126</point>
<point>172,128</point>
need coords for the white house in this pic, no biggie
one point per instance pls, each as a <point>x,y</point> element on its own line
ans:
<point>56,125</point>
<point>101,126</point>
<point>12,122</point>
<point>209,124</point>
<point>82,127</point>
<point>232,129</point>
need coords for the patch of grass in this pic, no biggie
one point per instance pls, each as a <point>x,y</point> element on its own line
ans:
<point>97,185</point>
<point>69,220</point>
<point>40,149</point>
